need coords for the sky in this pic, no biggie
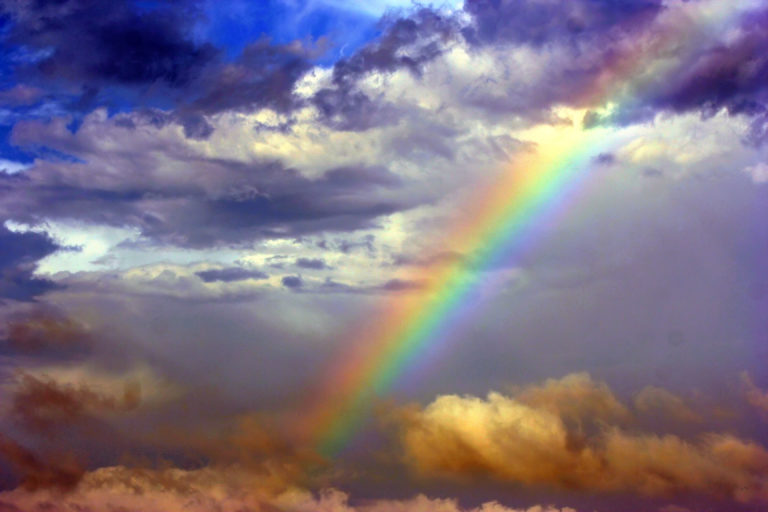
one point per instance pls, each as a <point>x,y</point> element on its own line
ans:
<point>384,256</point>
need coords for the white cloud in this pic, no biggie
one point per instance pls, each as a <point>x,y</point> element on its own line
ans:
<point>758,172</point>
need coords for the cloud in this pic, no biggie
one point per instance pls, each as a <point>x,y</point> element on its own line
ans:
<point>129,48</point>
<point>20,94</point>
<point>577,398</point>
<point>758,172</point>
<point>337,181</point>
<point>18,260</point>
<point>756,397</point>
<point>721,73</point>
<point>263,76</point>
<point>399,285</point>
<point>146,55</point>
<point>311,263</point>
<point>727,74</point>
<point>230,274</point>
<point>59,471</point>
<point>293,282</point>
<point>654,401</point>
<point>534,55</point>
<point>408,43</point>
<point>43,405</point>
<point>46,331</point>
<point>539,22</point>
<point>222,201</point>
<point>226,489</point>
<point>513,440</point>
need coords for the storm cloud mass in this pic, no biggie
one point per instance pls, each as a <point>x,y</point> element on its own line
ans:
<point>478,256</point>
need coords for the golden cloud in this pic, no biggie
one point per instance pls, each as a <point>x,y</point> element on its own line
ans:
<point>223,489</point>
<point>526,439</point>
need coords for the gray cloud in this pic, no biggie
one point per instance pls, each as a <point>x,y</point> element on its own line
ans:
<point>312,263</point>
<point>175,196</point>
<point>539,22</point>
<point>230,274</point>
<point>292,282</point>
<point>18,258</point>
<point>407,43</point>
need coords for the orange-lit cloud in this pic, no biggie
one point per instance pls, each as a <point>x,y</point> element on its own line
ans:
<point>46,330</point>
<point>529,441</point>
<point>41,403</point>
<point>653,400</point>
<point>57,471</point>
<point>220,489</point>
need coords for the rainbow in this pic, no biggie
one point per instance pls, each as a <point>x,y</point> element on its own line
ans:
<point>500,219</point>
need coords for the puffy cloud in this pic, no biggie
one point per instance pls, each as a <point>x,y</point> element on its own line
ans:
<point>576,397</point>
<point>225,489</point>
<point>407,43</point>
<point>332,500</point>
<point>511,439</point>
<point>176,194</point>
<point>168,490</point>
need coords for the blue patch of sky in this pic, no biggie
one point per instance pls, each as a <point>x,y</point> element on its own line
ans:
<point>10,152</point>
<point>285,21</point>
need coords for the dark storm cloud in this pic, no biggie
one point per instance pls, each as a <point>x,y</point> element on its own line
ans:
<point>97,43</point>
<point>230,274</point>
<point>123,52</point>
<point>19,253</point>
<point>538,22</point>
